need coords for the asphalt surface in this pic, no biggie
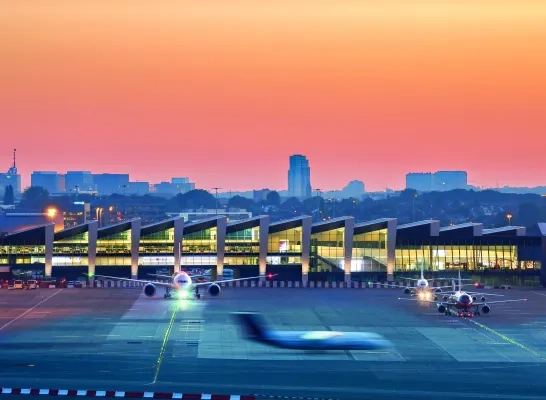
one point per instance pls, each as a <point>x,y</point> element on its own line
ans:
<point>117,339</point>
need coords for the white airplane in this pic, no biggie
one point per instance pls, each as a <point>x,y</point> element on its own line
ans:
<point>181,283</point>
<point>465,304</point>
<point>423,289</point>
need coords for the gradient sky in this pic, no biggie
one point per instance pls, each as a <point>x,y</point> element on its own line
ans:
<point>224,91</point>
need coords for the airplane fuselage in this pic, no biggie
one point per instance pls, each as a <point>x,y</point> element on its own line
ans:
<point>327,340</point>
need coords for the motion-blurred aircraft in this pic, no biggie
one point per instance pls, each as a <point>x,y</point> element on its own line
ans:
<point>255,329</point>
<point>181,283</point>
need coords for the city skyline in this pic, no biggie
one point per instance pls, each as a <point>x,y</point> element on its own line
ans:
<point>366,92</point>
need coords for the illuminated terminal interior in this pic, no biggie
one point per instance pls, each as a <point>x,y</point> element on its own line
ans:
<point>295,248</point>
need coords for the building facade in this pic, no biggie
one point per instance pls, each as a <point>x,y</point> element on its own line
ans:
<point>295,249</point>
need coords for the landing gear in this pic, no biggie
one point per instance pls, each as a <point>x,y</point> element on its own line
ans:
<point>167,294</point>
<point>197,295</point>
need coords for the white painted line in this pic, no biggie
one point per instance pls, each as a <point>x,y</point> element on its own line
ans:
<point>29,310</point>
<point>540,294</point>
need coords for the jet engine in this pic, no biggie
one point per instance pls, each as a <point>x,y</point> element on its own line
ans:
<point>214,290</point>
<point>438,290</point>
<point>441,308</point>
<point>483,298</point>
<point>446,297</point>
<point>486,309</point>
<point>407,290</point>
<point>150,290</point>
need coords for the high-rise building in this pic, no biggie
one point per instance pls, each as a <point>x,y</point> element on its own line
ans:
<point>11,178</point>
<point>299,177</point>
<point>107,184</point>
<point>49,180</point>
<point>79,181</point>
<point>420,181</point>
<point>449,180</point>
<point>439,181</point>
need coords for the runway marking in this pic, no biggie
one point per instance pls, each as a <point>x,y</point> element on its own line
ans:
<point>509,340</point>
<point>165,341</point>
<point>29,310</point>
<point>67,336</point>
<point>540,294</point>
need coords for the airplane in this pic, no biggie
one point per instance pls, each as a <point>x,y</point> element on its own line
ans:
<point>255,329</point>
<point>462,303</point>
<point>423,289</point>
<point>182,284</point>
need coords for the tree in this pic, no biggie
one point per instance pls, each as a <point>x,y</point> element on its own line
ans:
<point>241,202</point>
<point>273,198</point>
<point>35,198</point>
<point>194,199</point>
<point>9,197</point>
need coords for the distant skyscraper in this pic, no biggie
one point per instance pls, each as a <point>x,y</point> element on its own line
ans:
<point>420,181</point>
<point>299,177</point>
<point>12,178</point>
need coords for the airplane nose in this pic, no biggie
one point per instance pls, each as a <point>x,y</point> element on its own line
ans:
<point>465,299</point>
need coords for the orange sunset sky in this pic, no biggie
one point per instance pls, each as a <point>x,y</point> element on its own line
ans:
<point>223,91</point>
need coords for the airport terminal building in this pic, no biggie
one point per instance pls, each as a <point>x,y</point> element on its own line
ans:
<point>295,249</point>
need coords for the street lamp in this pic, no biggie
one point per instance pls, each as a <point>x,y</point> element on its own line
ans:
<point>216,195</point>
<point>509,216</point>
<point>51,212</point>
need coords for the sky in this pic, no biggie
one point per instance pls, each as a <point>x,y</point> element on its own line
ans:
<point>224,91</point>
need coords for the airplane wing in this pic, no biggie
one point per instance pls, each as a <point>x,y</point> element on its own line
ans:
<point>161,284</point>
<point>425,301</point>
<point>230,280</point>
<point>484,294</point>
<point>496,302</point>
<point>161,276</point>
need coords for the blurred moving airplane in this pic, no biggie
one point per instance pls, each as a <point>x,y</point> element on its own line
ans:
<point>181,283</point>
<point>255,329</point>
<point>465,304</point>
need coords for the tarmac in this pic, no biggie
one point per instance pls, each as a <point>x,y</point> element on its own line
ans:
<point>118,339</point>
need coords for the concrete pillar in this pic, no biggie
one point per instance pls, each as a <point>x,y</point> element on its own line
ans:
<point>264,242</point>
<point>306,224</point>
<point>392,226</point>
<point>92,230</point>
<point>49,239</point>
<point>135,244</point>
<point>178,236</point>
<point>221,224</point>
<point>348,235</point>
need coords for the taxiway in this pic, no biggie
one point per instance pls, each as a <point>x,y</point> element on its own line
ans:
<point>117,339</point>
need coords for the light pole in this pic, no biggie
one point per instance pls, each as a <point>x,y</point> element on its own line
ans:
<point>509,216</point>
<point>216,195</point>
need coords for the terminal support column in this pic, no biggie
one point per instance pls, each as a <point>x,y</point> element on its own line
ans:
<point>178,237</point>
<point>348,246</point>
<point>221,224</point>
<point>49,239</point>
<point>392,226</point>
<point>306,224</point>
<point>135,244</point>
<point>92,230</point>
<point>264,237</point>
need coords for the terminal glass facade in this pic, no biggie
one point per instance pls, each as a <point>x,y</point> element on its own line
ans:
<point>22,254</point>
<point>71,251</point>
<point>199,248</point>
<point>453,257</point>
<point>284,247</point>
<point>369,252</point>
<point>114,250</point>
<point>243,247</point>
<point>161,242</point>
<point>327,251</point>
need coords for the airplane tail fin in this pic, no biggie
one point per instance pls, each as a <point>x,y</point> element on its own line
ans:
<point>460,281</point>
<point>253,323</point>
